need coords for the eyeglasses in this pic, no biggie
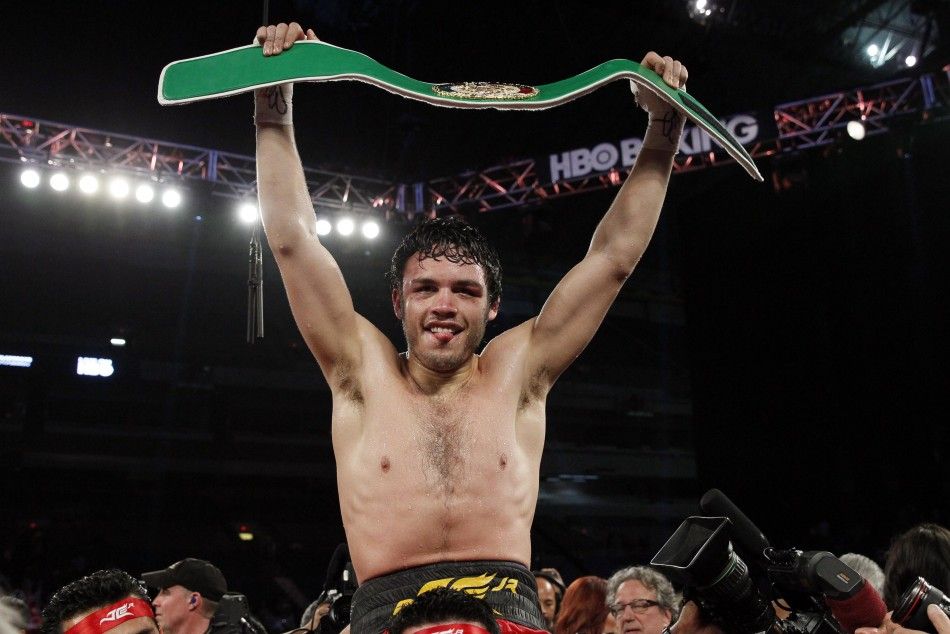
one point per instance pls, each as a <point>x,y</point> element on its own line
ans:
<point>639,606</point>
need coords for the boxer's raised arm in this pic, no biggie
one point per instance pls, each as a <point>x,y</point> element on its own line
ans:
<point>319,298</point>
<point>578,304</point>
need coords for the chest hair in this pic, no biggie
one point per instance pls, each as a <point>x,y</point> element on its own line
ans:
<point>445,441</point>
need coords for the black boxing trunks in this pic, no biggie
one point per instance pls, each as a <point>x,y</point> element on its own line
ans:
<point>509,589</point>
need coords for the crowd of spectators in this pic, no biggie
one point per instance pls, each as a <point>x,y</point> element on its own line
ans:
<point>192,597</point>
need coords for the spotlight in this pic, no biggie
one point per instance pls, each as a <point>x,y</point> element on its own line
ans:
<point>370,229</point>
<point>323,227</point>
<point>345,226</point>
<point>856,130</point>
<point>88,184</point>
<point>247,212</point>
<point>118,187</point>
<point>700,10</point>
<point>873,50</point>
<point>910,60</point>
<point>30,178</point>
<point>59,182</point>
<point>171,198</point>
<point>144,193</point>
<point>117,341</point>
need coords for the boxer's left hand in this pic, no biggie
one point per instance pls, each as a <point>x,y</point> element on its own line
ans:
<point>673,73</point>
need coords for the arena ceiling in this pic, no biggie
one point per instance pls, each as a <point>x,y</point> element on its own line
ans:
<point>97,64</point>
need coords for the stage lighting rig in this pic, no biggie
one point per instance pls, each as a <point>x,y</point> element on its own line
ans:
<point>171,198</point>
<point>88,184</point>
<point>701,10</point>
<point>370,229</point>
<point>247,213</point>
<point>345,226</point>
<point>119,187</point>
<point>144,193</point>
<point>30,178</point>
<point>59,181</point>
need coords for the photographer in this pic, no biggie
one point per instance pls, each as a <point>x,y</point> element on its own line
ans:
<point>922,551</point>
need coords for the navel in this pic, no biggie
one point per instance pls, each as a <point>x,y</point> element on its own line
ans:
<point>502,461</point>
<point>384,463</point>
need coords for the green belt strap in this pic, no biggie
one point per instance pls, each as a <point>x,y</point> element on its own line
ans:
<point>245,69</point>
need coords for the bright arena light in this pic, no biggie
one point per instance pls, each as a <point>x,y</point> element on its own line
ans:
<point>59,182</point>
<point>171,198</point>
<point>873,50</point>
<point>370,229</point>
<point>88,184</point>
<point>856,130</point>
<point>910,60</point>
<point>700,5</point>
<point>30,178</point>
<point>323,227</point>
<point>144,193</point>
<point>345,226</point>
<point>247,212</point>
<point>118,187</point>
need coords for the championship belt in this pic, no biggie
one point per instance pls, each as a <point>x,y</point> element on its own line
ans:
<point>245,69</point>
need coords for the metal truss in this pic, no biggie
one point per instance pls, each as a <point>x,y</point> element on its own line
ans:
<point>26,140</point>
<point>820,121</point>
<point>801,125</point>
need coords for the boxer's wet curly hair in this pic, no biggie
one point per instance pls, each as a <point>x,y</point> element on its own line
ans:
<point>95,590</point>
<point>455,240</point>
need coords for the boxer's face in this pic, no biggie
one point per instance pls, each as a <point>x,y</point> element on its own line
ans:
<point>444,309</point>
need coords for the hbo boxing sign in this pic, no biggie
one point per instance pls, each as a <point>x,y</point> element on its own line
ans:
<point>605,156</point>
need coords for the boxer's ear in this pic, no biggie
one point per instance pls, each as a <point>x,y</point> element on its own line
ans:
<point>397,303</point>
<point>493,309</point>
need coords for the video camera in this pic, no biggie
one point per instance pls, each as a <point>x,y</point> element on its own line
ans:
<point>233,616</point>
<point>823,594</point>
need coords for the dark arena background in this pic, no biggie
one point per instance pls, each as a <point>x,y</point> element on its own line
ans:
<point>782,341</point>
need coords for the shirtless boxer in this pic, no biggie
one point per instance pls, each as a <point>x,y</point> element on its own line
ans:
<point>438,448</point>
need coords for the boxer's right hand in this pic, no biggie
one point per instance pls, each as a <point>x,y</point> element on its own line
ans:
<point>278,38</point>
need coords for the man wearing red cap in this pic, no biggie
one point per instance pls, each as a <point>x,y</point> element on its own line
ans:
<point>188,595</point>
<point>104,601</point>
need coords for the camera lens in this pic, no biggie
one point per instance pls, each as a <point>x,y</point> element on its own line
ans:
<point>911,610</point>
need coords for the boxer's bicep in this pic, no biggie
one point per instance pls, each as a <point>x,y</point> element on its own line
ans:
<point>572,314</point>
